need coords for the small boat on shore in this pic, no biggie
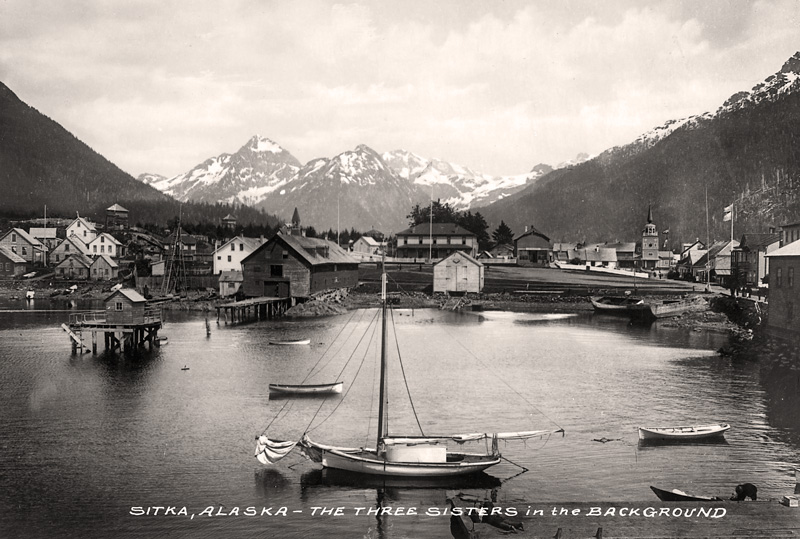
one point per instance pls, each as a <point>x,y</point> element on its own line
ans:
<point>688,433</point>
<point>653,310</point>
<point>162,340</point>
<point>676,495</point>
<point>307,389</point>
<point>615,304</point>
<point>291,341</point>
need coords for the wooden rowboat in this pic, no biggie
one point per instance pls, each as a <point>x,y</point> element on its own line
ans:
<point>307,389</point>
<point>691,432</point>
<point>676,495</point>
<point>615,304</point>
<point>293,341</point>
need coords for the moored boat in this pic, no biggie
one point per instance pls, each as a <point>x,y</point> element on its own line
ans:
<point>307,389</point>
<point>676,495</point>
<point>653,310</point>
<point>687,432</point>
<point>291,341</point>
<point>615,304</point>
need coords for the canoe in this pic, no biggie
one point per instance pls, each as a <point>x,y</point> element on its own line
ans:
<point>294,341</point>
<point>689,432</point>
<point>307,389</point>
<point>615,304</point>
<point>676,495</point>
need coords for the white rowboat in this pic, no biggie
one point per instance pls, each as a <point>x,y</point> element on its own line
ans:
<point>307,389</point>
<point>690,432</point>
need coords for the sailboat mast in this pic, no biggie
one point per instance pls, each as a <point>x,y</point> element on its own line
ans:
<point>383,406</point>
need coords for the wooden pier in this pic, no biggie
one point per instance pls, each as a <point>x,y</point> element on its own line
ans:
<point>261,308</point>
<point>116,336</point>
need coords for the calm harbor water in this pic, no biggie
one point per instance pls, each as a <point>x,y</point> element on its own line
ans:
<point>87,439</point>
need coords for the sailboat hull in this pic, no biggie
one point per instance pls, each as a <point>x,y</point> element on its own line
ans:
<point>369,463</point>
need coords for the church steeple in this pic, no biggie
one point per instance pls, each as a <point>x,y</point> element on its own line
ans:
<point>649,215</point>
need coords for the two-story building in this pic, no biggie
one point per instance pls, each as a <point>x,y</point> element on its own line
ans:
<point>296,266</point>
<point>437,241</point>
<point>105,244</point>
<point>116,217</point>
<point>229,255</point>
<point>749,262</point>
<point>103,268</point>
<point>533,248</point>
<point>83,229</point>
<point>784,291</point>
<point>75,266</point>
<point>790,233</point>
<point>25,246</point>
<point>68,247</point>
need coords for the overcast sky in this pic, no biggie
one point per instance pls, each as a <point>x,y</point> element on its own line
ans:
<point>496,85</point>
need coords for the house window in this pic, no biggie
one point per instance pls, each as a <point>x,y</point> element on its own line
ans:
<point>66,247</point>
<point>779,277</point>
<point>285,254</point>
<point>241,246</point>
<point>13,237</point>
<point>463,240</point>
<point>13,248</point>
<point>219,258</point>
<point>94,248</point>
<point>118,306</point>
<point>233,247</point>
<point>102,239</point>
<point>435,240</point>
<point>102,248</point>
<point>57,257</point>
<point>24,251</point>
<point>790,277</point>
<point>276,270</point>
<point>448,240</point>
<point>420,240</point>
<point>229,258</point>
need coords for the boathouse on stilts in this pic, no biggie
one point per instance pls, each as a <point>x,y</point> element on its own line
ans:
<point>128,322</point>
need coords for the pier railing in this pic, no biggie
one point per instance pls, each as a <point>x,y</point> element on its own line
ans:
<point>152,313</point>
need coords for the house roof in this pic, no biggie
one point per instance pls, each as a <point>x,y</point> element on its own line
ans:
<point>561,246</point>
<point>231,276</point>
<point>42,232</point>
<point>78,257</point>
<point>369,241</point>
<point>532,232</point>
<point>186,239</point>
<point>229,217</point>
<point>116,207</point>
<point>86,223</point>
<point>251,243</point>
<point>624,246</point>
<point>107,260</point>
<point>790,249</point>
<point>308,249</point>
<point>759,241</point>
<point>459,255</point>
<point>25,236</point>
<point>106,235</point>
<point>129,293</point>
<point>12,256</point>
<point>77,242</point>
<point>439,229</point>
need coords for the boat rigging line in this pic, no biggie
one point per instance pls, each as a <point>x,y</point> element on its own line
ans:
<point>403,370</point>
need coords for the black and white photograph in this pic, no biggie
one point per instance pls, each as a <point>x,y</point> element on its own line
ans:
<point>386,270</point>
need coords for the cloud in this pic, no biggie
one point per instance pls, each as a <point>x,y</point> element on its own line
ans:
<point>160,86</point>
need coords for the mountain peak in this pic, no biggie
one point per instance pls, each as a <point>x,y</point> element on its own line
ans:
<point>792,65</point>
<point>260,144</point>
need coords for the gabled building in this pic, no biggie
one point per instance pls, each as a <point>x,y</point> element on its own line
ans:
<point>502,250</point>
<point>561,251</point>
<point>437,241</point>
<point>75,266</point>
<point>103,268</point>
<point>47,236</point>
<point>626,253</point>
<point>749,262</point>
<point>68,247</point>
<point>229,222</point>
<point>186,245</point>
<point>11,264</point>
<point>83,229</point>
<point>367,245</point>
<point>596,255</point>
<point>458,273</point>
<point>25,246</point>
<point>229,255</point>
<point>126,306</point>
<point>105,244</point>
<point>717,262</point>
<point>532,248</point>
<point>297,266</point>
<point>784,291</point>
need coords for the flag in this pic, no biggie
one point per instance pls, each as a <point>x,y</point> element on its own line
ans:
<point>666,231</point>
<point>728,213</point>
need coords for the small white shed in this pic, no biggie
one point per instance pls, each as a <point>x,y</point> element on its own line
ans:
<point>458,273</point>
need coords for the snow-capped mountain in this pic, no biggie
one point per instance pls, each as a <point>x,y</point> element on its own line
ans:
<point>355,189</point>
<point>458,186</point>
<point>247,176</point>
<point>744,152</point>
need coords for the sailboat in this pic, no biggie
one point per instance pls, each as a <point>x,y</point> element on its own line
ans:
<point>394,455</point>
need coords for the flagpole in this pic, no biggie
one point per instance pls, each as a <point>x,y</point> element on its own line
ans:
<point>732,214</point>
